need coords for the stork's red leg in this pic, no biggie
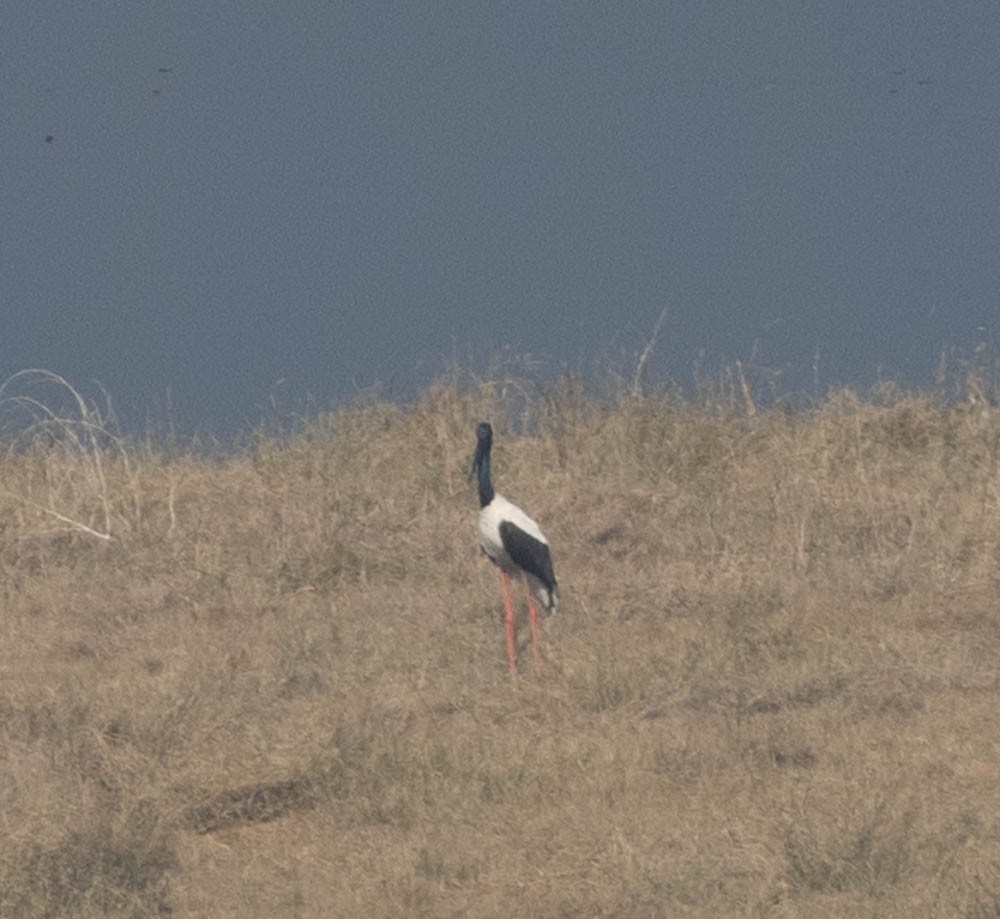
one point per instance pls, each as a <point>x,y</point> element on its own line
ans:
<point>509,623</point>
<point>536,654</point>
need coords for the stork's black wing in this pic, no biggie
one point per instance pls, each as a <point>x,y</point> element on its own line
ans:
<point>528,553</point>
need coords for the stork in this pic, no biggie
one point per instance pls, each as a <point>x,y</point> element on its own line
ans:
<point>515,544</point>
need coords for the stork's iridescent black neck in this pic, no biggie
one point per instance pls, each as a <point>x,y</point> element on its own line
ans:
<point>481,463</point>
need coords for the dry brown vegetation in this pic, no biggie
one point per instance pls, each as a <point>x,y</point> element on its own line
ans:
<point>273,683</point>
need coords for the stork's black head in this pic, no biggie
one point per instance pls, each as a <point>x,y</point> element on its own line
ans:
<point>481,462</point>
<point>484,435</point>
<point>484,443</point>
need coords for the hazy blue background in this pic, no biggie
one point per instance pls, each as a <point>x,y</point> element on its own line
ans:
<point>319,196</point>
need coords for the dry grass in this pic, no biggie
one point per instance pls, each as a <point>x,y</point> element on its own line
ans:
<point>273,683</point>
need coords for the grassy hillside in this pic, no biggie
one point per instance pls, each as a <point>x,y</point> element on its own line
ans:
<point>273,682</point>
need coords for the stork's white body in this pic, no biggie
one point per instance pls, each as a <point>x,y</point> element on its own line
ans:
<point>501,511</point>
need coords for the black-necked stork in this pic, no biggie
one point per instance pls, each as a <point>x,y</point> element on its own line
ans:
<point>515,544</point>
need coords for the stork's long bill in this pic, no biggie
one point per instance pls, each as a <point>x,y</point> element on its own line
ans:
<point>515,544</point>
